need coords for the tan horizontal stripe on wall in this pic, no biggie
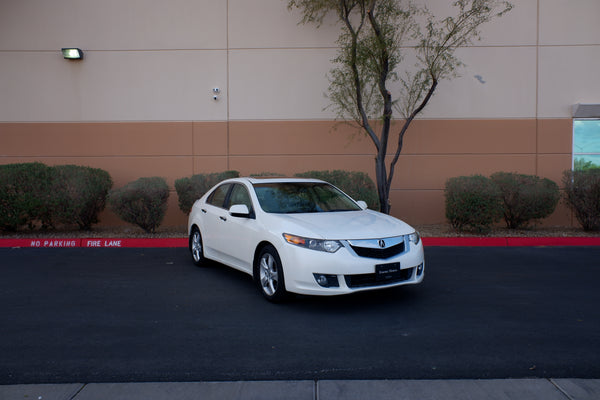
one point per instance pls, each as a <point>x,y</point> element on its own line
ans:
<point>434,151</point>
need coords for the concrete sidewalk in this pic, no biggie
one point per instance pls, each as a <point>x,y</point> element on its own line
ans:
<point>500,389</point>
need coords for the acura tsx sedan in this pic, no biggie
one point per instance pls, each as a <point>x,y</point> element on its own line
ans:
<point>302,236</point>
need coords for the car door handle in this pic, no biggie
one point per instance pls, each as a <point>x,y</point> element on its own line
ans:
<point>223,218</point>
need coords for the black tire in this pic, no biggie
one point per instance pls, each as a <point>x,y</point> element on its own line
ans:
<point>268,275</point>
<point>196,247</point>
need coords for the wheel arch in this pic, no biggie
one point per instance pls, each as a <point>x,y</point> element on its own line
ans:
<point>257,251</point>
<point>282,293</point>
<point>190,230</point>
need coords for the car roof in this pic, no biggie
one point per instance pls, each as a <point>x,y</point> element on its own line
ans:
<point>254,180</point>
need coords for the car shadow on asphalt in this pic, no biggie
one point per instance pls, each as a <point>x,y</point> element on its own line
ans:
<point>396,298</point>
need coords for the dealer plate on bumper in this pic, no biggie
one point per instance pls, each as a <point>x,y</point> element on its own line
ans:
<point>386,272</point>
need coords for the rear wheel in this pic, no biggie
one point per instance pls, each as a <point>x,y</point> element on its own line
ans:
<point>268,275</point>
<point>196,247</point>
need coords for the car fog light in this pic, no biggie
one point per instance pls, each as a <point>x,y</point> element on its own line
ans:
<point>420,269</point>
<point>327,280</point>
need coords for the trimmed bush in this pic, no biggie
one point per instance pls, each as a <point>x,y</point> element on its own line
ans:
<point>142,202</point>
<point>525,197</point>
<point>472,203</point>
<point>191,189</point>
<point>24,195</point>
<point>357,185</point>
<point>582,195</point>
<point>79,194</point>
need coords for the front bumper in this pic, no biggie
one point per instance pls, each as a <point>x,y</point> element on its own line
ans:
<point>346,272</point>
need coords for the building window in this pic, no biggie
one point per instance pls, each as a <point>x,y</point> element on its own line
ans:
<point>586,143</point>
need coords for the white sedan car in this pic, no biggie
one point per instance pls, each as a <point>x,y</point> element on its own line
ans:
<point>302,236</point>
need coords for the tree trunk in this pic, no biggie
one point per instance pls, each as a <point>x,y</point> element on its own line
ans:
<point>382,183</point>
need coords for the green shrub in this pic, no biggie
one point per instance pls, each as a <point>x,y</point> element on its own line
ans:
<point>142,202</point>
<point>357,185</point>
<point>525,197</point>
<point>24,195</point>
<point>79,194</point>
<point>191,189</point>
<point>582,195</point>
<point>472,203</point>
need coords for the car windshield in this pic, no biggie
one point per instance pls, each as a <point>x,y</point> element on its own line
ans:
<point>302,197</point>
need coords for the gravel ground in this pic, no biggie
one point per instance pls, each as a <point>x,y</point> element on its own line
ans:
<point>437,230</point>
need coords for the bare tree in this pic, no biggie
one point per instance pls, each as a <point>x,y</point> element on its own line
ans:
<point>370,79</point>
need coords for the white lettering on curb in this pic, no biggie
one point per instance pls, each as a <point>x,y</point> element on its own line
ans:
<point>103,243</point>
<point>53,243</point>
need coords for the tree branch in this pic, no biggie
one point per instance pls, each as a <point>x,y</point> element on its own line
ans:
<point>354,34</point>
<point>407,123</point>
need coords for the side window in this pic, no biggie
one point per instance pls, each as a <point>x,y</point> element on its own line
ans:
<point>586,144</point>
<point>239,195</point>
<point>218,196</point>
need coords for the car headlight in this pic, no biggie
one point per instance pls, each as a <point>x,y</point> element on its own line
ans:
<point>414,237</point>
<point>329,246</point>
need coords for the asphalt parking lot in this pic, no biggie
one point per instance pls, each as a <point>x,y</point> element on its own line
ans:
<point>150,315</point>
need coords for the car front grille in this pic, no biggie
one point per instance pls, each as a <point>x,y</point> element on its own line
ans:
<point>366,280</point>
<point>378,252</point>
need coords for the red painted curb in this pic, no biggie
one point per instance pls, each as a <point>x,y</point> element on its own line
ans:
<point>183,242</point>
<point>167,242</point>
<point>464,241</point>
<point>554,241</point>
<point>40,243</point>
<point>94,242</point>
<point>510,241</point>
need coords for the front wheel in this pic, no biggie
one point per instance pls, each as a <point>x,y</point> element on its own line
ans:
<point>196,247</point>
<point>268,275</point>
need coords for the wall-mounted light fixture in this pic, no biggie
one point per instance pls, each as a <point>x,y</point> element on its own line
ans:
<point>72,53</point>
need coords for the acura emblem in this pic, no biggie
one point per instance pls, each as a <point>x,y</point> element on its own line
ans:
<point>381,243</point>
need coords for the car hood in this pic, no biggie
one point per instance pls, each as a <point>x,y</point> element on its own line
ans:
<point>348,225</point>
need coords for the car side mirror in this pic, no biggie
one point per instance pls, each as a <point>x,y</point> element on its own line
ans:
<point>239,210</point>
<point>362,204</point>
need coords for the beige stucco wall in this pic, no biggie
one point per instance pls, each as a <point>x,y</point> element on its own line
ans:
<point>157,61</point>
<point>141,102</point>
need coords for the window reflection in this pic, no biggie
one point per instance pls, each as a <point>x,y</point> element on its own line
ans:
<point>586,144</point>
<point>302,197</point>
